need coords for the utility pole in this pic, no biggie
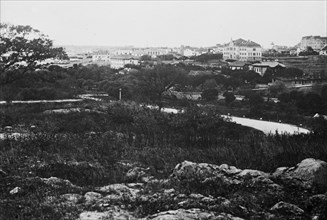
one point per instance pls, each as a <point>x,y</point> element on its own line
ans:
<point>119,94</point>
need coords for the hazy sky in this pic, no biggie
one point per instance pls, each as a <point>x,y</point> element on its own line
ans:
<point>169,23</point>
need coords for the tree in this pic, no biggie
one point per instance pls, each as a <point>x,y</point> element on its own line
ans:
<point>254,99</point>
<point>23,48</point>
<point>210,94</point>
<point>229,97</point>
<point>145,58</point>
<point>152,83</point>
<point>323,93</point>
<point>276,88</point>
<point>290,72</point>
<point>308,51</point>
<point>210,84</point>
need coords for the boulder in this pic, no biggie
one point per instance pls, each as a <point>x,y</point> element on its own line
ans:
<point>113,212</point>
<point>118,192</point>
<point>58,183</point>
<point>72,199</point>
<point>285,208</point>
<point>91,197</point>
<point>185,214</point>
<point>137,174</point>
<point>307,174</point>
<point>218,180</point>
<point>15,190</point>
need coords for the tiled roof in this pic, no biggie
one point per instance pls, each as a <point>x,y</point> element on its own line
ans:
<point>122,57</point>
<point>271,64</point>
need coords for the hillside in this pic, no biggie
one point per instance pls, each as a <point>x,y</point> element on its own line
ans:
<point>309,65</point>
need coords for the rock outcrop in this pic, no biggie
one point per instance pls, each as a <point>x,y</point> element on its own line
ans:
<point>193,191</point>
<point>307,174</point>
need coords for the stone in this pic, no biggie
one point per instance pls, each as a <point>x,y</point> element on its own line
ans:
<point>93,215</point>
<point>252,173</point>
<point>72,198</point>
<point>286,209</point>
<point>15,190</point>
<point>57,182</point>
<point>185,214</point>
<point>190,170</point>
<point>308,173</point>
<point>224,216</point>
<point>138,173</point>
<point>120,188</point>
<point>91,197</point>
<point>111,213</point>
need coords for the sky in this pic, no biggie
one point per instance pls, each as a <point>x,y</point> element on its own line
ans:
<point>169,23</point>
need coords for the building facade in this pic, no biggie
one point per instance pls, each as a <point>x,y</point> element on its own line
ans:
<point>101,56</point>
<point>117,62</point>
<point>316,42</point>
<point>262,67</point>
<point>242,50</point>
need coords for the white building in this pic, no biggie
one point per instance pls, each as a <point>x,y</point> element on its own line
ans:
<point>242,50</point>
<point>189,52</point>
<point>315,42</point>
<point>262,67</point>
<point>117,62</point>
<point>101,56</point>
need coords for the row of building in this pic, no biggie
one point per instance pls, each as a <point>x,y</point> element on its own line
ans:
<point>240,50</point>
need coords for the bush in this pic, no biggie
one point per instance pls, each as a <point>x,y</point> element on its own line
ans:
<point>229,97</point>
<point>210,94</point>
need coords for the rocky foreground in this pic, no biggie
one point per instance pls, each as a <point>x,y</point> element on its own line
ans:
<point>192,191</point>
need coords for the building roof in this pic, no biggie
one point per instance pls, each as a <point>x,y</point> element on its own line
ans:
<point>238,64</point>
<point>123,57</point>
<point>271,64</point>
<point>245,43</point>
<point>324,48</point>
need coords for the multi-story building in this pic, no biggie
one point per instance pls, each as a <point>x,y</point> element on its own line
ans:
<point>315,42</point>
<point>101,56</point>
<point>242,50</point>
<point>117,62</point>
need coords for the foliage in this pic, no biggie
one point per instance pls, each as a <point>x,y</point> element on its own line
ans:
<point>308,52</point>
<point>210,84</point>
<point>145,58</point>
<point>290,72</point>
<point>323,93</point>
<point>276,88</point>
<point>209,94</point>
<point>229,97</point>
<point>254,99</point>
<point>22,48</point>
<point>152,83</point>
<point>206,57</point>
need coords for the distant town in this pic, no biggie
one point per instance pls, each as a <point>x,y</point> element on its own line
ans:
<point>245,51</point>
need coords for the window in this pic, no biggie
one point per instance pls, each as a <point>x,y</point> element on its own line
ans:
<point>253,49</point>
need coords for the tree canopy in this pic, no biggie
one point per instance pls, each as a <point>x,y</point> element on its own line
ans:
<point>152,83</point>
<point>23,48</point>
